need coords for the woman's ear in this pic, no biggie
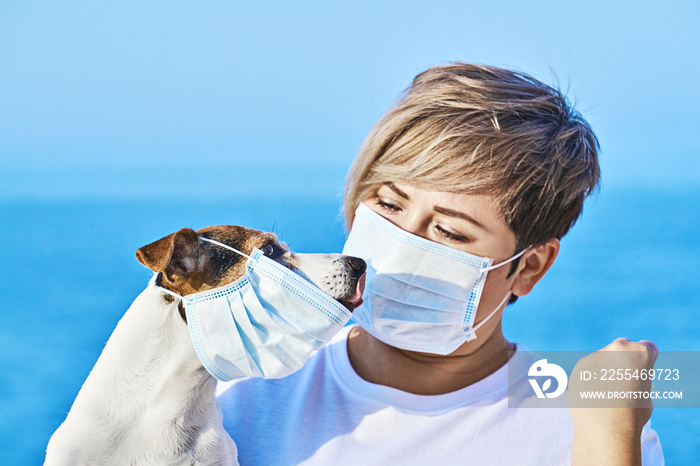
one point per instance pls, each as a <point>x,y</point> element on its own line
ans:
<point>533,265</point>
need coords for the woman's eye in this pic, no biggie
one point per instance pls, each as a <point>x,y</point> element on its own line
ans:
<point>450,235</point>
<point>387,205</point>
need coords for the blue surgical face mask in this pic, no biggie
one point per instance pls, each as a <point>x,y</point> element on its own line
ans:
<point>266,324</point>
<point>419,295</point>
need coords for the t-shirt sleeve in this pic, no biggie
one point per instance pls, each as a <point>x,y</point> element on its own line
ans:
<point>651,447</point>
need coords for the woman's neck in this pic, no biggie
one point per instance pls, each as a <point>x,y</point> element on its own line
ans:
<point>423,373</point>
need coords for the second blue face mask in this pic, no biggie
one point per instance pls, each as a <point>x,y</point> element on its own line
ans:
<point>419,295</point>
<point>266,324</point>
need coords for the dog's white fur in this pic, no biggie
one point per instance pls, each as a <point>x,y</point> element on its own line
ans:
<point>148,400</point>
<point>147,397</point>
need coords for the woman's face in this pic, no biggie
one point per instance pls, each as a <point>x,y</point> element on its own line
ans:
<point>470,223</point>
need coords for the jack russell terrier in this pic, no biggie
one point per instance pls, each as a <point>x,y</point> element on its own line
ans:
<point>149,400</point>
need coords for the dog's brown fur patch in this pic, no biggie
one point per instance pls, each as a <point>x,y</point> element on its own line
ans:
<point>187,264</point>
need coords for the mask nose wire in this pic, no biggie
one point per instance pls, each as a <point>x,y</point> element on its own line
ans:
<point>495,266</point>
<point>225,246</point>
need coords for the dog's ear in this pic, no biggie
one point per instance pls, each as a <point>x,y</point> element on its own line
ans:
<point>156,255</point>
<point>177,256</point>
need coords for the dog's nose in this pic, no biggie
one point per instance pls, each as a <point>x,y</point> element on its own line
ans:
<point>357,266</point>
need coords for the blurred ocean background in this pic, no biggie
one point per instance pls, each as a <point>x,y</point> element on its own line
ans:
<point>121,122</point>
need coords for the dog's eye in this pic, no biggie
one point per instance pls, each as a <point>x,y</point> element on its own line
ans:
<point>269,250</point>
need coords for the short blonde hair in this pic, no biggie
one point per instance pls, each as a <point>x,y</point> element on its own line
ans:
<point>479,129</point>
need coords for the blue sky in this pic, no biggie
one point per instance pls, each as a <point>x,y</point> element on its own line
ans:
<point>121,98</point>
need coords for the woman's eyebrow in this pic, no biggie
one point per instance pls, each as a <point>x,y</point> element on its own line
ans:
<point>393,187</point>
<point>458,214</point>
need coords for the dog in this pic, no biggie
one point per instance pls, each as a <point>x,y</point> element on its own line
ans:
<point>149,400</point>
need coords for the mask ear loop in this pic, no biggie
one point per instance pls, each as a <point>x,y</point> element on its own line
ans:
<point>173,294</point>
<point>495,266</point>
<point>477,326</point>
<point>225,246</point>
<point>486,269</point>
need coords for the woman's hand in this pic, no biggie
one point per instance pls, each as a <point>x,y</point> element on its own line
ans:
<point>608,431</point>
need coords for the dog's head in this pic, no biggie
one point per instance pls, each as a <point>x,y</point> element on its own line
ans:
<point>186,264</point>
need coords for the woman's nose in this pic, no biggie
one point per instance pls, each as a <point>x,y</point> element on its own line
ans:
<point>414,223</point>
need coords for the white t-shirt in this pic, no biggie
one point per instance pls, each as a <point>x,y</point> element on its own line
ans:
<point>325,414</point>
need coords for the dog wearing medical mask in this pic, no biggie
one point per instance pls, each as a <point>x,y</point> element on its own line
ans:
<point>225,302</point>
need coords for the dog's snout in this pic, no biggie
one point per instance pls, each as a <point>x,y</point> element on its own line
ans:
<point>357,266</point>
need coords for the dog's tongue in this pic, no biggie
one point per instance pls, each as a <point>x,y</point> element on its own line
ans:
<point>356,298</point>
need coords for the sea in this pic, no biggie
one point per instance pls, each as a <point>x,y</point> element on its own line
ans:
<point>68,272</point>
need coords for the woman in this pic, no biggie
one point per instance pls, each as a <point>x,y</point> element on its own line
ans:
<point>457,201</point>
